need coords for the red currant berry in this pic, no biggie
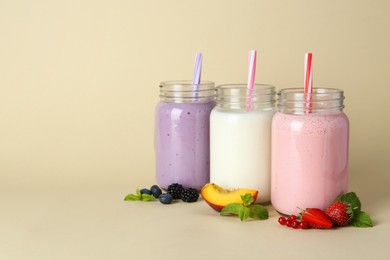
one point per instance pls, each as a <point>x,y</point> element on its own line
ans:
<point>303,225</point>
<point>292,217</point>
<point>282,221</point>
<point>295,224</point>
<point>288,223</point>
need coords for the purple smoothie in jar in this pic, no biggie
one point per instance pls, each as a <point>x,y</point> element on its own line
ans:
<point>182,139</point>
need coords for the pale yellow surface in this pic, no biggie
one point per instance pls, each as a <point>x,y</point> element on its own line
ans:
<point>78,87</point>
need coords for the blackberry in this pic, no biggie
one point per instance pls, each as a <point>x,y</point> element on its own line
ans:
<point>175,189</point>
<point>156,191</point>
<point>165,198</point>
<point>189,195</point>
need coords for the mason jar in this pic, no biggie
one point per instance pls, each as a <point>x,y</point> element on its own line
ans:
<point>240,138</point>
<point>182,135</point>
<point>310,135</point>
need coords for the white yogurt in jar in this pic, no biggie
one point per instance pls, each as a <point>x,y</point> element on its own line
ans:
<point>240,149</point>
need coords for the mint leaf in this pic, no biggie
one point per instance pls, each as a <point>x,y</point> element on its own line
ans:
<point>246,209</point>
<point>247,199</point>
<point>352,199</point>
<point>361,219</point>
<point>147,197</point>
<point>132,197</point>
<point>232,208</point>
<point>258,212</point>
<point>139,196</point>
<point>244,213</point>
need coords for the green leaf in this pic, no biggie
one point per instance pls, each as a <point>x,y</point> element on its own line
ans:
<point>247,199</point>
<point>147,197</point>
<point>258,212</point>
<point>255,211</point>
<point>352,199</point>
<point>134,197</point>
<point>244,213</point>
<point>131,197</point>
<point>361,219</point>
<point>232,208</point>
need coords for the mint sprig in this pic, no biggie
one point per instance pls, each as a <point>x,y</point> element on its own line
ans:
<point>246,209</point>
<point>359,218</point>
<point>247,199</point>
<point>232,208</point>
<point>139,196</point>
<point>258,212</point>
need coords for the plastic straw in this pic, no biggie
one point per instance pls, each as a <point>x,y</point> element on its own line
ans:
<point>251,79</point>
<point>197,73</point>
<point>197,68</point>
<point>308,80</point>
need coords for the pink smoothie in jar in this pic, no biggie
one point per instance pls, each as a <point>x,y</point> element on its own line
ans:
<point>182,133</point>
<point>309,150</point>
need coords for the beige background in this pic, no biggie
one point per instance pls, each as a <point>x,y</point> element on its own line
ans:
<point>78,87</point>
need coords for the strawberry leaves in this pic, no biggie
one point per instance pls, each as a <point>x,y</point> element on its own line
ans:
<point>246,209</point>
<point>352,200</point>
<point>359,218</point>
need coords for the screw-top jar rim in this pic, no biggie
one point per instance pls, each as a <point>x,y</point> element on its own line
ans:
<point>183,91</point>
<point>296,101</point>
<point>235,96</point>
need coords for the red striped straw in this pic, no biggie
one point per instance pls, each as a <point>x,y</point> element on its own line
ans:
<point>308,80</point>
<point>251,79</point>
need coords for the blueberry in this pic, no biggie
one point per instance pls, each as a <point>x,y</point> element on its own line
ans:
<point>146,191</point>
<point>165,198</point>
<point>156,191</point>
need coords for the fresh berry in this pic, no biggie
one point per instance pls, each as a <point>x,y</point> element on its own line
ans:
<point>316,218</point>
<point>293,221</point>
<point>175,189</point>
<point>189,195</point>
<point>340,213</point>
<point>165,198</point>
<point>295,224</point>
<point>303,225</point>
<point>288,223</point>
<point>146,191</point>
<point>292,217</point>
<point>156,191</point>
<point>282,221</point>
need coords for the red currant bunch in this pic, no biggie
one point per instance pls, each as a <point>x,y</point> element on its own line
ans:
<point>293,222</point>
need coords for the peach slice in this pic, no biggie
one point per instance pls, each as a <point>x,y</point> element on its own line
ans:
<point>218,197</point>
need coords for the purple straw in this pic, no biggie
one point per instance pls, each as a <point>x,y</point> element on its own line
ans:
<point>197,73</point>
<point>198,68</point>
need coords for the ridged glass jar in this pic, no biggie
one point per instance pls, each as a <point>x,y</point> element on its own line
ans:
<point>240,132</point>
<point>182,142</point>
<point>310,143</point>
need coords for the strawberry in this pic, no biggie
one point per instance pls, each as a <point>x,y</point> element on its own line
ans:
<point>316,218</point>
<point>340,213</point>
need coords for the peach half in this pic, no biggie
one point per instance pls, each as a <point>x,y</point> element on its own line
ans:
<point>218,197</point>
